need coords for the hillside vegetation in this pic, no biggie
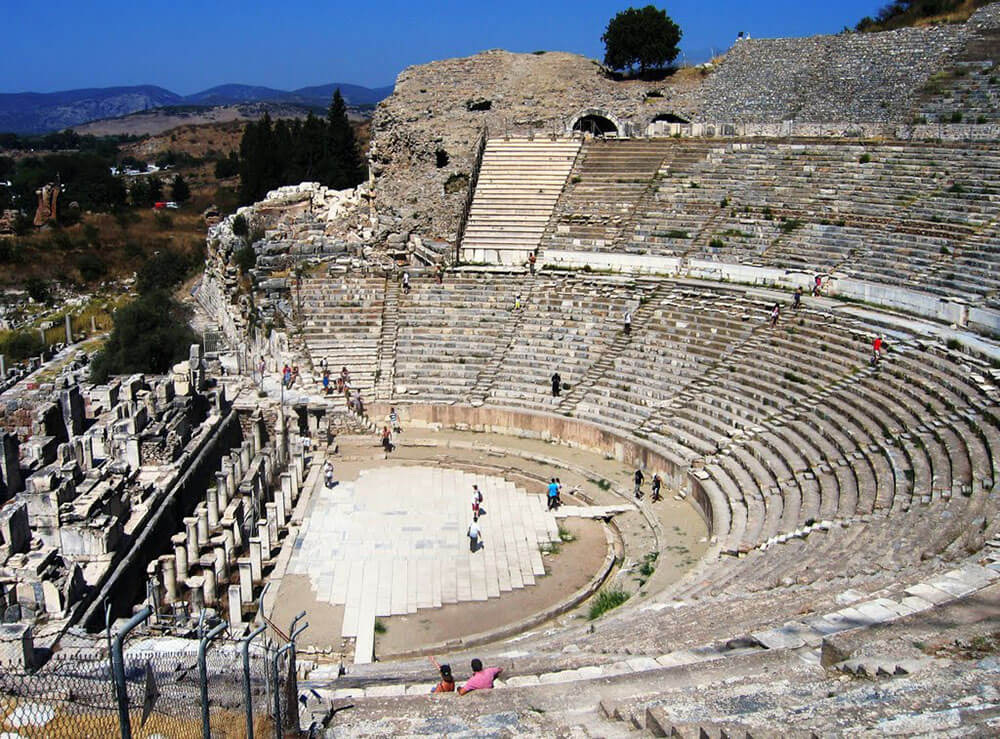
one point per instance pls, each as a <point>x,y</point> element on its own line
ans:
<point>904,13</point>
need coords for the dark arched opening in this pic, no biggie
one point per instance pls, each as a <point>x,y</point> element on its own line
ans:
<point>670,118</point>
<point>597,125</point>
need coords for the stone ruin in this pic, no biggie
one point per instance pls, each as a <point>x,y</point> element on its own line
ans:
<point>48,198</point>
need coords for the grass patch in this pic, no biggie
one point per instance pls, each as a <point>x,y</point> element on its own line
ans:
<point>380,627</point>
<point>605,601</point>
<point>565,535</point>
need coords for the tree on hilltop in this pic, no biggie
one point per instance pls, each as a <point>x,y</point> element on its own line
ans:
<point>343,164</point>
<point>646,38</point>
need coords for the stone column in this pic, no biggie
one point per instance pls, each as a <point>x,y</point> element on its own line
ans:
<point>133,455</point>
<point>296,482</point>
<point>271,515</point>
<point>246,456</point>
<point>230,481</point>
<point>3,366</point>
<point>279,510</point>
<point>221,560</point>
<point>209,576</point>
<point>69,329</point>
<point>287,482</point>
<point>256,424</point>
<point>197,585</point>
<point>10,463</point>
<point>238,470</point>
<point>235,607</point>
<point>264,534</point>
<point>202,527</point>
<point>221,490</point>
<point>212,507</point>
<point>256,560</point>
<point>191,530</point>
<point>300,465</point>
<point>169,568</point>
<point>246,580</point>
<point>180,555</point>
<point>229,536</point>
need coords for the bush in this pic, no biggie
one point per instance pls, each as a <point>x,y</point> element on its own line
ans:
<point>37,290</point>
<point>163,271</point>
<point>605,601</point>
<point>245,259</point>
<point>20,345</point>
<point>240,227</point>
<point>717,243</point>
<point>91,266</point>
<point>865,158</point>
<point>163,221</point>
<point>956,117</point>
<point>790,225</point>
<point>228,167</point>
<point>150,335</point>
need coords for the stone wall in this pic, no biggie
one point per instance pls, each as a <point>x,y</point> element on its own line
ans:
<point>424,134</point>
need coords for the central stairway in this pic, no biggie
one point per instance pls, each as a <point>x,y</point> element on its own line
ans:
<point>519,183</point>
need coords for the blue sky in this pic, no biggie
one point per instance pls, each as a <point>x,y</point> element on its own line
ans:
<point>189,46</point>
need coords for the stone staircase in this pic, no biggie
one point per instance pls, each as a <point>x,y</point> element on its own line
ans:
<point>519,183</point>
<point>648,302</point>
<point>486,378</point>
<point>385,370</point>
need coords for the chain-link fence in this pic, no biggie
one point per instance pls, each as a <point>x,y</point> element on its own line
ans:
<point>163,683</point>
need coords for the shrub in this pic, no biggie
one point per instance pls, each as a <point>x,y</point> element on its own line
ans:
<point>865,158</point>
<point>245,259</point>
<point>20,345</point>
<point>605,601</point>
<point>240,227</point>
<point>163,221</point>
<point>163,271</point>
<point>37,290</point>
<point>150,334</point>
<point>677,234</point>
<point>380,627</point>
<point>724,203</point>
<point>91,266</point>
<point>456,183</point>
<point>790,225</point>
<point>956,117</point>
<point>956,189</point>
<point>717,243</point>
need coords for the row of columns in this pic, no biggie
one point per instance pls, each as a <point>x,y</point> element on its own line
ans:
<point>236,530</point>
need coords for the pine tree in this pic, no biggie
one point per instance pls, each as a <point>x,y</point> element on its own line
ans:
<point>342,163</point>
<point>179,190</point>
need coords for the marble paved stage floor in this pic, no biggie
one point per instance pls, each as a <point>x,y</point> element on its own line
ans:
<point>394,540</point>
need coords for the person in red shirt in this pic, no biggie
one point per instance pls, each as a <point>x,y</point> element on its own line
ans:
<point>447,684</point>
<point>877,347</point>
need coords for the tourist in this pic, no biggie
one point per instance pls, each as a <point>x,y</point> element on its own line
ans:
<point>386,439</point>
<point>394,421</point>
<point>553,495</point>
<point>447,684</point>
<point>877,347</point>
<point>475,536</point>
<point>556,384</point>
<point>345,375</point>
<point>322,364</point>
<point>356,403</point>
<point>326,382</point>
<point>628,322</point>
<point>286,376</point>
<point>439,274</point>
<point>531,262</point>
<point>638,477</point>
<point>657,482</point>
<point>477,499</point>
<point>328,473</point>
<point>294,377</point>
<point>817,284</point>
<point>775,313</point>
<point>517,302</point>
<point>482,679</point>
<point>406,283</point>
<point>797,298</point>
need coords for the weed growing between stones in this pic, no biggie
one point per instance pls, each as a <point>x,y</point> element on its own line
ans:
<point>605,601</point>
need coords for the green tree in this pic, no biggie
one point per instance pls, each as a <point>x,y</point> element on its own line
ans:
<point>645,37</point>
<point>149,335</point>
<point>343,163</point>
<point>179,190</point>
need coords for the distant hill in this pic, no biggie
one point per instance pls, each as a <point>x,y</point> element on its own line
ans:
<point>33,112</point>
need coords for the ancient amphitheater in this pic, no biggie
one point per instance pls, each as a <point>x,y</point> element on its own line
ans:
<point>825,558</point>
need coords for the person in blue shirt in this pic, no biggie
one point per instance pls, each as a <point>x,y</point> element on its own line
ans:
<point>553,494</point>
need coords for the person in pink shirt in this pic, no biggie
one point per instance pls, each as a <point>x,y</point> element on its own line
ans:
<point>482,679</point>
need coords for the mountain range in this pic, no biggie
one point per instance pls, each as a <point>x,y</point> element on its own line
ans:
<point>41,112</point>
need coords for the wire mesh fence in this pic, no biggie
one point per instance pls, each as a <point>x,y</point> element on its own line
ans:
<point>76,695</point>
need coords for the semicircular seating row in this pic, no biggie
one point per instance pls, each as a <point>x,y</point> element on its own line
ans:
<point>823,473</point>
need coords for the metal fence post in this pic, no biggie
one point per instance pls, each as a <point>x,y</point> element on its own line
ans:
<point>292,688</point>
<point>277,692</point>
<point>118,670</point>
<point>247,698</point>
<point>206,729</point>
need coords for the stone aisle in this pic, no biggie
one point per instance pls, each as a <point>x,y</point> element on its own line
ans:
<point>394,540</point>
